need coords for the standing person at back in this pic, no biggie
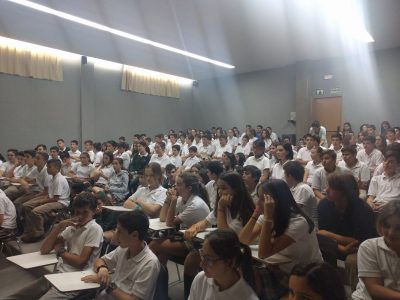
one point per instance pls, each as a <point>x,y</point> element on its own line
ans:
<point>320,131</point>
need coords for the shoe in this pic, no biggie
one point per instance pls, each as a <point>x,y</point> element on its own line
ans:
<point>31,239</point>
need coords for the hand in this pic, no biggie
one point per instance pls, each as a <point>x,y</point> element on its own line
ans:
<point>68,222</point>
<point>58,246</point>
<point>351,248</point>
<point>377,207</point>
<point>171,194</point>
<point>91,279</point>
<point>269,207</point>
<point>224,201</point>
<point>129,204</point>
<point>190,233</point>
<point>103,277</point>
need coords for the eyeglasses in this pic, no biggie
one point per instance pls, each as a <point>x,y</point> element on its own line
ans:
<point>207,259</point>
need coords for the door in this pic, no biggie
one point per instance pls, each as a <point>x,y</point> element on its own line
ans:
<point>328,111</point>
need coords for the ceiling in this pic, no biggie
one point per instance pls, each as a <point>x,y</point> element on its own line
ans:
<point>249,34</point>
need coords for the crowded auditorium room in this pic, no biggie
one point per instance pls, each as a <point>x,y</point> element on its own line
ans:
<point>200,150</point>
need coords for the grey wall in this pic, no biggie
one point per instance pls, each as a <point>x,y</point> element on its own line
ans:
<point>39,111</point>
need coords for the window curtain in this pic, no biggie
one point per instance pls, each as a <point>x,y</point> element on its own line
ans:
<point>29,63</point>
<point>149,84</point>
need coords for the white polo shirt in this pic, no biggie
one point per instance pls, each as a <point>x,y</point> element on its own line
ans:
<point>190,161</point>
<point>176,161</point>
<point>311,167</point>
<point>261,163</point>
<point>360,170</point>
<point>58,186</point>
<point>385,188</point>
<point>233,141</point>
<point>220,150</point>
<point>162,161</point>
<point>155,196</point>
<point>135,275</point>
<point>212,190</point>
<point>234,224</point>
<point>209,150</point>
<point>42,180</point>
<point>204,288</point>
<point>82,171</point>
<point>376,260</point>
<point>191,212</point>
<point>320,179</point>
<point>304,154</point>
<point>98,159</point>
<point>277,170</point>
<point>19,171</point>
<point>89,235</point>
<point>30,172</point>
<point>107,171</point>
<point>7,209</point>
<point>304,195</point>
<point>75,154</point>
<point>372,160</point>
<point>5,167</point>
<point>125,159</point>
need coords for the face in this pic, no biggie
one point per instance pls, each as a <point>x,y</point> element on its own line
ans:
<point>61,144</point>
<point>88,147</point>
<point>230,133</point>
<point>280,152</point>
<point>390,165</point>
<point>348,158</point>
<point>181,189</point>
<point>205,141</point>
<point>194,170</point>
<point>244,142</point>
<point>299,289</point>
<point>272,150</point>
<point>157,149</point>
<point>40,149</point>
<point>378,141</point>
<point>309,142</point>
<point>224,188</point>
<point>171,175</point>
<point>109,147</point>
<point>192,154</point>
<point>29,160</point>
<point>247,178</point>
<point>172,139</point>
<point>52,169</point>
<point>120,150</point>
<point>21,160</point>
<point>371,131</point>
<point>364,128</point>
<point>258,151</point>
<point>258,129</point>
<point>150,178</point>
<point>222,142</point>
<point>54,153</point>
<point>141,149</point>
<point>346,127</point>
<point>336,142</point>
<point>123,237</point>
<point>314,154</point>
<point>116,165</point>
<point>368,146</point>
<point>66,161</point>
<point>106,160</point>
<point>74,147</point>
<point>84,160</point>
<point>390,230</point>
<point>289,180</point>
<point>83,214</point>
<point>225,160</point>
<point>39,160</point>
<point>328,162</point>
<point>391,136</point>
<point>175,152</point>
<point>212,265</point>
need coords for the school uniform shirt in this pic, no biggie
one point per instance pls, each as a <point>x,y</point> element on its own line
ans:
<point>82,171</point>
<point>372,160</point>
<point>233,141</point>
<point>75,154</point>
<point>274,137</point>
<point>107,171</point>
<point>268,143</point>
<point>125,159</point>
<point>277,170</point>
<point>98,158</point>
<point>19,171</point>
<point>156,196</point>
<point>5,167</point>
<point>209,150</point>
<point>30,172</point>
<point>360,170</point>
<point>191,212</point>
<point>42,180</point>
<point>118,184</point>
<point>261,163</point>
<point>312,167</point>
<point>163,160</point>
<point>304,154</point>
<point>212,191</point>
<point>385,188</point>
<point>376,260</point>
<point>134,275</point>
<point>321,134</point>
<point>191,161</point>
<point>304,195</point>
<point>185,149</point>
<point>305,248</point>
<point>89,235</point>
<point>220,150</point>
<point>7,209</point>
<point>176,161</point>
<point>204,288</point>
<point>91,155</point>
<point>58,186</point>
<point>234,223</point>
<point>320,179</point>
<point>65,169</point>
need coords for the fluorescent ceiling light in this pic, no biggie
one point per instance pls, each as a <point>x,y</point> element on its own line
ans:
<point>117,32</point>
<point>106,64</point>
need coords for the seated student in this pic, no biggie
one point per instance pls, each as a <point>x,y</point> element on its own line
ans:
<point>77,241</point>
<point>206,150</point>
<point>12,161</point>
<point>37,208</point>
<point>139,160</point>
<point>380,143</point>
<point>106,218</point>
<point>185,205</point>
<point>197,140</point>
<point>378,258</point>
<point>98,157</point>
<point>391,136</point>
<point>8,216</point>
<point>111,146</point>
<point>271,153</point>
<point>28,175</point>
<point>175,158</point>
<point>228,161</point>
<point>214,171</point>
<point>320,183</point>
<point>88,146</point>
<point>390,148</point>
<point>359,169</point>
<point>259,160</point>
<point>315,281</point>
<point>287,235</point>
<point>227,269</point>
<point>346,219</point>
<point>191,159</point>
<point>66,166</point>
<point>170,180</point>
<point>185,147</point>
<point>304,154</point>
<point>160,156</point>
<point>16,171</point>
<point>131,270</point>
<point>302,193</point>
<point>54,152</point>
<point>150,198</point>
<point>61,146</point>
<point>244,146</point>
<point>371,130</point>
<point>266,137</point>
<point>74,153</point>
<point>313,165</point>
<point>284,153</point>
<point>222,147</point>
<point>41,148</point>
<point>81,170</point>
<point>122,152</point>
<point>251,177</point>
<point>386,187</point>
<point>336,146</point>
<point>102,173</point>
<point>369,154</point>
<point>117,186</point>
<point>232,139</point>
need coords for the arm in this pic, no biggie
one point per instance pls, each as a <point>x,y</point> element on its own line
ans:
<point>54,240</point>
<point>251,230</point>
<point>340,239</point>
<point>195,228</point>
<point>318,194</point>
<point>78,261</point>
<point>171,219</point>
<point>377,291</point>
<point>223,205</point>
<point>153,210</point>
<point>121,295</point>
<point>164,210</point>
<point>306,173</point>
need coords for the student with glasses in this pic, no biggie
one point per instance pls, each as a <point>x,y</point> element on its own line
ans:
<point>227,269</point>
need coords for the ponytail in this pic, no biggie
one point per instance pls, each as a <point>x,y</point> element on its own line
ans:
<point>246,265</point>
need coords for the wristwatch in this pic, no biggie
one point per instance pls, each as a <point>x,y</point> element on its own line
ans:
<point>60,252</point>
<point>111,288</point>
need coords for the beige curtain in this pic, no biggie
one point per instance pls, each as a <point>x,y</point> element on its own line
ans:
<point>29,63</point>
<point>149,84</point>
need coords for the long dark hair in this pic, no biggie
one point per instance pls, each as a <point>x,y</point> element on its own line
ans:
<point>232,160</point>
<point>226,245</point>
<point>198,189</point>
<point>242,203</point>
<point>285,206</point>
<point>322,279</point>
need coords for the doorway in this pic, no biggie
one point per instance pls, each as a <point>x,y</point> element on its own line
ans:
<point>328,111</point>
